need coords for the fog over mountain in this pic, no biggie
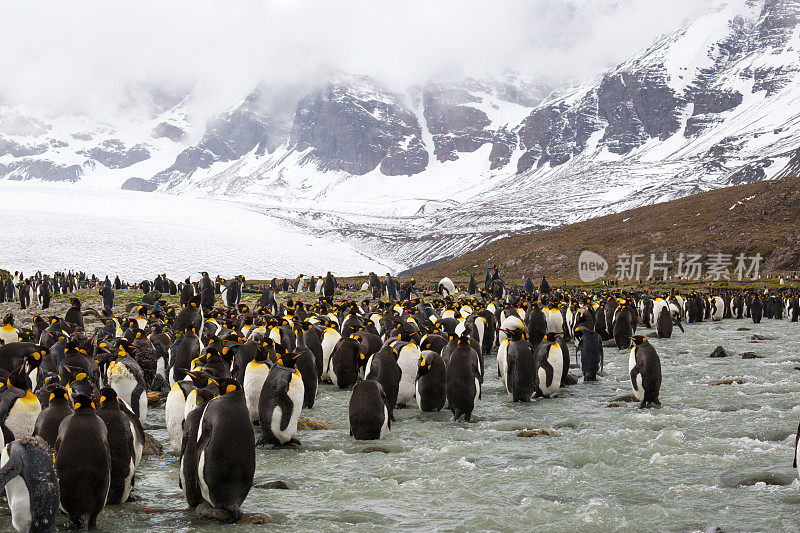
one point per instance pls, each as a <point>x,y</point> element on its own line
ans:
<point>410,131</point>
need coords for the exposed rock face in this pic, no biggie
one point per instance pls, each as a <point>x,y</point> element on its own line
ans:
<point>40,169</point>
<point>139,184</point>
<point>555,133</point>
<point>113,153</point>
<point>353,125</point>
<point>16,149</point>
<point>455,127</point>
<point>250,125</point>
<point>170,131</point>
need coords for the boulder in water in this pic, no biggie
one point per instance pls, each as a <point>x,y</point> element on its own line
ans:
<point>719,351</point>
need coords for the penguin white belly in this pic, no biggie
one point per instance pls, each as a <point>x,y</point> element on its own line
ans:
<point>9,335</point>
<point>329,340</point>
<point>34,377</point>
<point>19,499</point>
<point>448,313</point>
<point>407,360</point>
<point>161,367</point>
<point>128,482</point>
<point>477,398</point>
<point>138,446</point>
<point>190,404</point>
<point>385,426</point>
<point>480,325</point>
<point>21,418</point>
<point>638,389</point>
<point>201,463</point>
<point>254,376</point>
<point>19,502</point>
<point>556,360</point>
<point>502,361</point>
<point>417,394</point>
<point>124,386</point>
<point>460,328</point>
<point>368,368</point>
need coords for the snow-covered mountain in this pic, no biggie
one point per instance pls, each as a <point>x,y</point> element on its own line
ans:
<point>441,168</point>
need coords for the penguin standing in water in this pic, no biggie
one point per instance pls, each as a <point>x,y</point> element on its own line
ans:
<point>368,413</point>
<point>83,464</point>
<point>383,368</point>
<point>757,309</point>
<point>50,418</point>
<point>31,485</point>
<point>549,358</point>
<point>226,455</point>
<point>431,382</point>
<point>188,450</point>
<point>125,375</point>
<point>280,405</point>
<point>664,323</point>
<point>590,347</point>
<point>520,367</point>
<point>463,380</point>
<point>120,443</point>
<point>255,374</point>
<point>645,369</point>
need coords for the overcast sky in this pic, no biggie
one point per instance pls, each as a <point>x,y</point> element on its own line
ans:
<point>91,55</point>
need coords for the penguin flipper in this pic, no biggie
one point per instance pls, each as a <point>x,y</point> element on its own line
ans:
<point>286,409</point>
<point>10,470</point>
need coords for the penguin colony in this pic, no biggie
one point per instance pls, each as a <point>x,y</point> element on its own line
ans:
<point>73,404</point>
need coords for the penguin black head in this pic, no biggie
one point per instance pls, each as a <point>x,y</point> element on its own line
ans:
<point>228,386</point>
<point>201,378</point>
<point>82,403</point>
<point>19,379</point>
<point>109,398</point>
<point>8,320</point>
<point>58,394</point>
<point>639,339</point>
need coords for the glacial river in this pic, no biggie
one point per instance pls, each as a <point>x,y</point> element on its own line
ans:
<point>713,456</point>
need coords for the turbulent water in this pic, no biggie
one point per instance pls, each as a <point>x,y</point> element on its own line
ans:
<point>693,464</point>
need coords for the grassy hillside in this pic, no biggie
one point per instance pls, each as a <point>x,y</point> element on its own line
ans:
<point>760,218</point>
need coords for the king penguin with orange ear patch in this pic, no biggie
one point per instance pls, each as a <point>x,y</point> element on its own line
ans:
<point>280,405</point>
<point>83,463</point>
<point>645,368</point>
<point>226,455</point>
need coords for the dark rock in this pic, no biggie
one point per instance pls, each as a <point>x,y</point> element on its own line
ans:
<point>625,398</point>
<point>374,449</point>
<point>719,351</point>
<point>751,355</point>
<point>170,131</point>
<point>729,381</point>
<point>152,446</point>
<point>742,329</point>
<point>151,298</point>
<point>534,433</point>
<point>255,519</point>
<point>276,485</point>
<point>112,153</point>
<point>354,125</point>
<point>138,184</point>
<point>762,338</point>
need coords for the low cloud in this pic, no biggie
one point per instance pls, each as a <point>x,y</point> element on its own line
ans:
<point>95,56</point>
